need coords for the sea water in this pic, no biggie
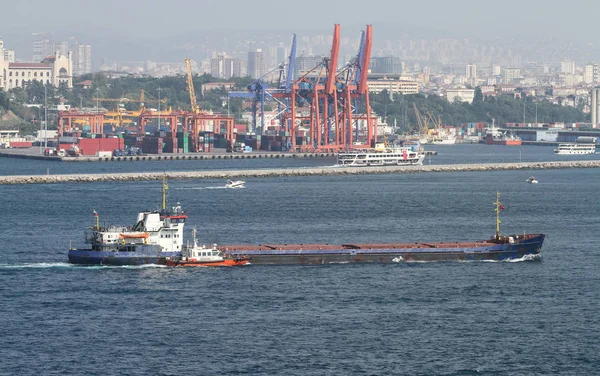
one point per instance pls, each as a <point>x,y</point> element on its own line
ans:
<point>448,318</point>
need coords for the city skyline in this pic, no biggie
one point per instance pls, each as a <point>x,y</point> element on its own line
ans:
<point>531,27</point>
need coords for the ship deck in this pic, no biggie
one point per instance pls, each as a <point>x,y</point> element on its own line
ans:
<point>373,246</point>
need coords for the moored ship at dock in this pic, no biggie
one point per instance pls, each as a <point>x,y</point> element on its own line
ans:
<point>495,137</point>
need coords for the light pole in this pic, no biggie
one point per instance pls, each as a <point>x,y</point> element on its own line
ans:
<point>41,125</point>
<point>536,113</point>
<point>45,117</point>
<point>159,89</point>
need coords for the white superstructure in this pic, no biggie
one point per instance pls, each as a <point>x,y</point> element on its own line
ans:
<point>382,156</point>
<point>164,229</point>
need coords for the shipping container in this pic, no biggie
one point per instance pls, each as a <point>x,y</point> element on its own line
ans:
<point>21,144</point>
<point>91,146</point>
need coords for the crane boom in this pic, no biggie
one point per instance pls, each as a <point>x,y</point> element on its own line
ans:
<point>422,121</point>
<point>190,84</point>
<point>335,51</point>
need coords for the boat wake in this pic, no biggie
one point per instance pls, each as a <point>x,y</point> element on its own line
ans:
<point>38,265</point>
<point>398,259</point>
<point>201,188</point>
<point>537,257</point>
<point>48,265</point>
<point>145,266</point>
<point>525,258</point>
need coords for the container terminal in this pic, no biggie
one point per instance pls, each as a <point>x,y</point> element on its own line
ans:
<point>323,111</point>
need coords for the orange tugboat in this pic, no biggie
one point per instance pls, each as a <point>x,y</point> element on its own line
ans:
<point>203,256</point>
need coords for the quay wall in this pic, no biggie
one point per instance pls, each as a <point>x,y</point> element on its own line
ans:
<point>30,154</point>
<point>226,174</point>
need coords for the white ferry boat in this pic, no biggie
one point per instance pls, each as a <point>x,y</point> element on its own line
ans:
<point>575,148</point>
<point>382,155</point>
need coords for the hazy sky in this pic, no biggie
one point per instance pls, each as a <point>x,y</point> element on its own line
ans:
<point>137,18</point>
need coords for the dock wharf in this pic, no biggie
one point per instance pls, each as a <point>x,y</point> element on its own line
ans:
<point>278,172</point>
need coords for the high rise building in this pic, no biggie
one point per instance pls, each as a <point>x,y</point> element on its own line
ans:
<point>471,74</point>
<point>591,74</point>
<point>62,47</point>
<point>511,75</point>
<point>42,48</point>
<point>216,66</point>
<point>82,58</point>
<point>496,70</point>
<point>257,64</point>
<point>225,67</point>
<point>471,71</point>
<point>386,65</point>
<point>281,55</point>
<point>567,67</point>
<point>232,67</point>
<point>304,64</point>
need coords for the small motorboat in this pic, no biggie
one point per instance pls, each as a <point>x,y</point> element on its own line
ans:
<point>235,184</point>
<point>532,180</point>
<point>202,256</point>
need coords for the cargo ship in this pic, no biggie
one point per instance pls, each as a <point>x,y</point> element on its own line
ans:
<point>156,236</point>
<point>494,136</point>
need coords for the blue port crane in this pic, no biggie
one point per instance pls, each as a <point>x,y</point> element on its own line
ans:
<point>260,92</point>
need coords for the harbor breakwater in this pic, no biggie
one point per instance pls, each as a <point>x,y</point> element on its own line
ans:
<point>312,171</point>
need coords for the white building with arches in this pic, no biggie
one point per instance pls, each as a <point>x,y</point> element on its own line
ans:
<point>54,70</point>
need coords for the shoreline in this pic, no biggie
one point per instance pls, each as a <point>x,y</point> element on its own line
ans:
<point>279,172</point>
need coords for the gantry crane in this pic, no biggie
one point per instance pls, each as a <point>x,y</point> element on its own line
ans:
<point>422,122</point>
<point>190,85</point>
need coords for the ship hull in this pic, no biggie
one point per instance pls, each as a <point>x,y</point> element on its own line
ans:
<point>191,263</point>
<point>91,257</point>
<point>521,247</point>
<point>489,141</point>
<point>430,252</point>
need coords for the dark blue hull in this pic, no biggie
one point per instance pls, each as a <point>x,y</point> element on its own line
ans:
<point>529,246</point>
<point>91,257</point>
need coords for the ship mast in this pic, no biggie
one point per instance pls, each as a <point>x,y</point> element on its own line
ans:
<point>165,187</point>
<point>498,206</point>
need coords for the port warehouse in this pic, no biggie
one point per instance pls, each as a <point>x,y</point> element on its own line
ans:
<point>553,132</point>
